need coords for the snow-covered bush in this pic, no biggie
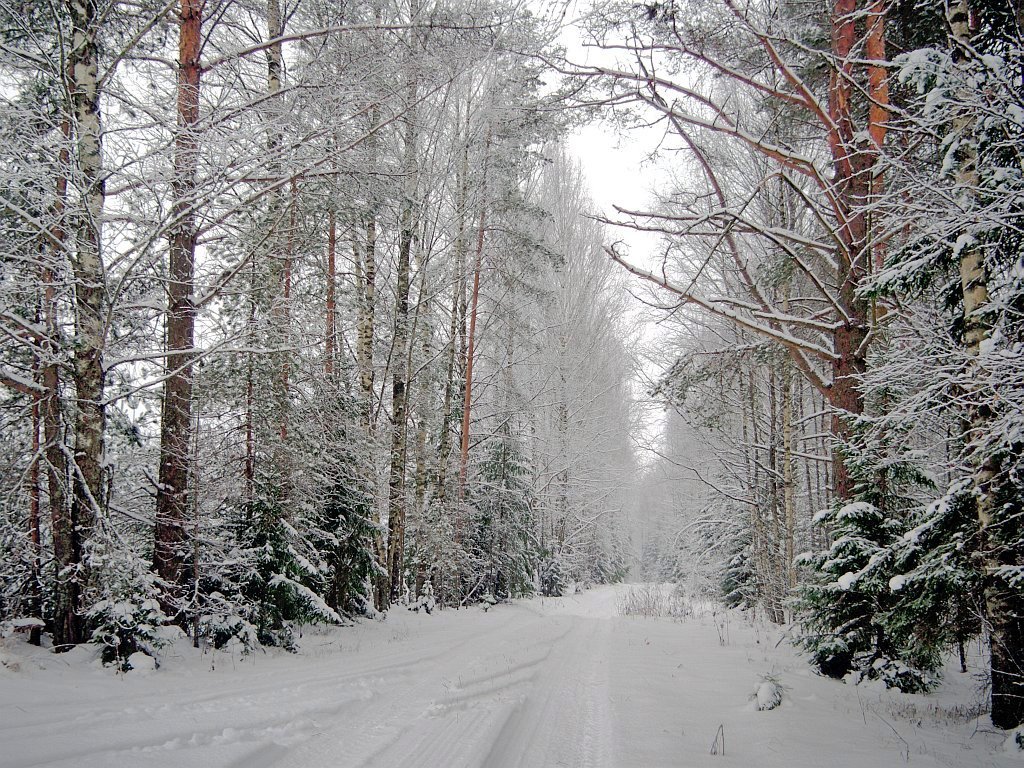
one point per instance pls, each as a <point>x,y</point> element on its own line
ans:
<point>738,579</point>
<point>769,694</point>
<point>552,578</point>
<point>425,602</point>
<point>229,630</point>
<point>125,625</point>
<point>125,616</point>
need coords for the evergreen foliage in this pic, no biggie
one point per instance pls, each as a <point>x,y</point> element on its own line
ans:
<point>853,618</point>
<point>504,535</point>
<point>937,579</point>
<point>844,603</point>
<point>126,617</point>
<point>738,577</point>
<point>552,577</point>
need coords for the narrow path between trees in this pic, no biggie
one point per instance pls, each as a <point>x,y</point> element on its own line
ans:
<point>555,682</point>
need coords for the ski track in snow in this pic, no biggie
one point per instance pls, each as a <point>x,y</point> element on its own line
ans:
<point>557,682</point>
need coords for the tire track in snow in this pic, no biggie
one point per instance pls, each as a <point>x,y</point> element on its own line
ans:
<point>566,719</point>
<point>458,728</point>
<point>515,687</point>
<point>191,720</point>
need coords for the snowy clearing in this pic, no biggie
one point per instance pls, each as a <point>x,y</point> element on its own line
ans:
<point>544,682</point>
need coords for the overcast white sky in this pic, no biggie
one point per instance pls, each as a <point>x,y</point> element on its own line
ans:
<point>619,172</point>
<point>619,168</point>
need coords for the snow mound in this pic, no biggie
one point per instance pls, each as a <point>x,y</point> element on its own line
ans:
<point>8,663</point>
<point>768,694</point>
<point>141,664</point>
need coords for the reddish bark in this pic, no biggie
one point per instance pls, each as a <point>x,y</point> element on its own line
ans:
<point>467,404</point>
<point>176,423</point>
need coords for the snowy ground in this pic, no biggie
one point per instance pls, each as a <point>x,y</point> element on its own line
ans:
<point>555,682</point>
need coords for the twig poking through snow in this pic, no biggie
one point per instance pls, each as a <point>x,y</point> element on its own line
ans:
<point>718,745</point>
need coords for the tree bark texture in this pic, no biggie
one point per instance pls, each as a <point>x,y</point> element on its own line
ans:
<point>854,162</point>
<point>998,505</point>
<point>397,503</point>
<point>65,608</point>
<point>176,423</point>
<point>90,324</point>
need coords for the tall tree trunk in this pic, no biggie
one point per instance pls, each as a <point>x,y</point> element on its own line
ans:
<point>65,597</point>
<point>997,505</point>
<point>423,404</point>
<point>176,424</point>
<point>367,319</point>
<point>854,163</point>
<point>467,403</point>
<point>458,288</point>
<point>281,250</point>
<point>249,467</point>
<point>90,324</point>
<point>285,325</point>
<point>399,400</point>
<point>421,480</point>
<point>748,472</point>
<point>35,590</point>
<point>367,303</point>
<point>444,450</point>
<point>777,524</point>
<point>762,543</point>
<point>788,476</point>
<point>878,118</point>
<point>330,324</point>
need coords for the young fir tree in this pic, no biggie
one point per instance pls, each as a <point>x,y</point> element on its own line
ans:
<point>504,532</point>
<point>852,619</point>
<point>275,577</point>
<point>841,605</point>
<point>553,582</point>
<point>738,578</point>
<point>937,580</point>
<point>343,529</point>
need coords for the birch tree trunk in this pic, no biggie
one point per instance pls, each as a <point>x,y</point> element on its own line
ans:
<point>458,283</point>
<point>280,248</point>
<point>90,322</point>
<point>1004,604</point>
<point>367,311</point>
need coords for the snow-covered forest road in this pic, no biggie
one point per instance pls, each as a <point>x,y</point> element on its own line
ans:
<point>556,682</point>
